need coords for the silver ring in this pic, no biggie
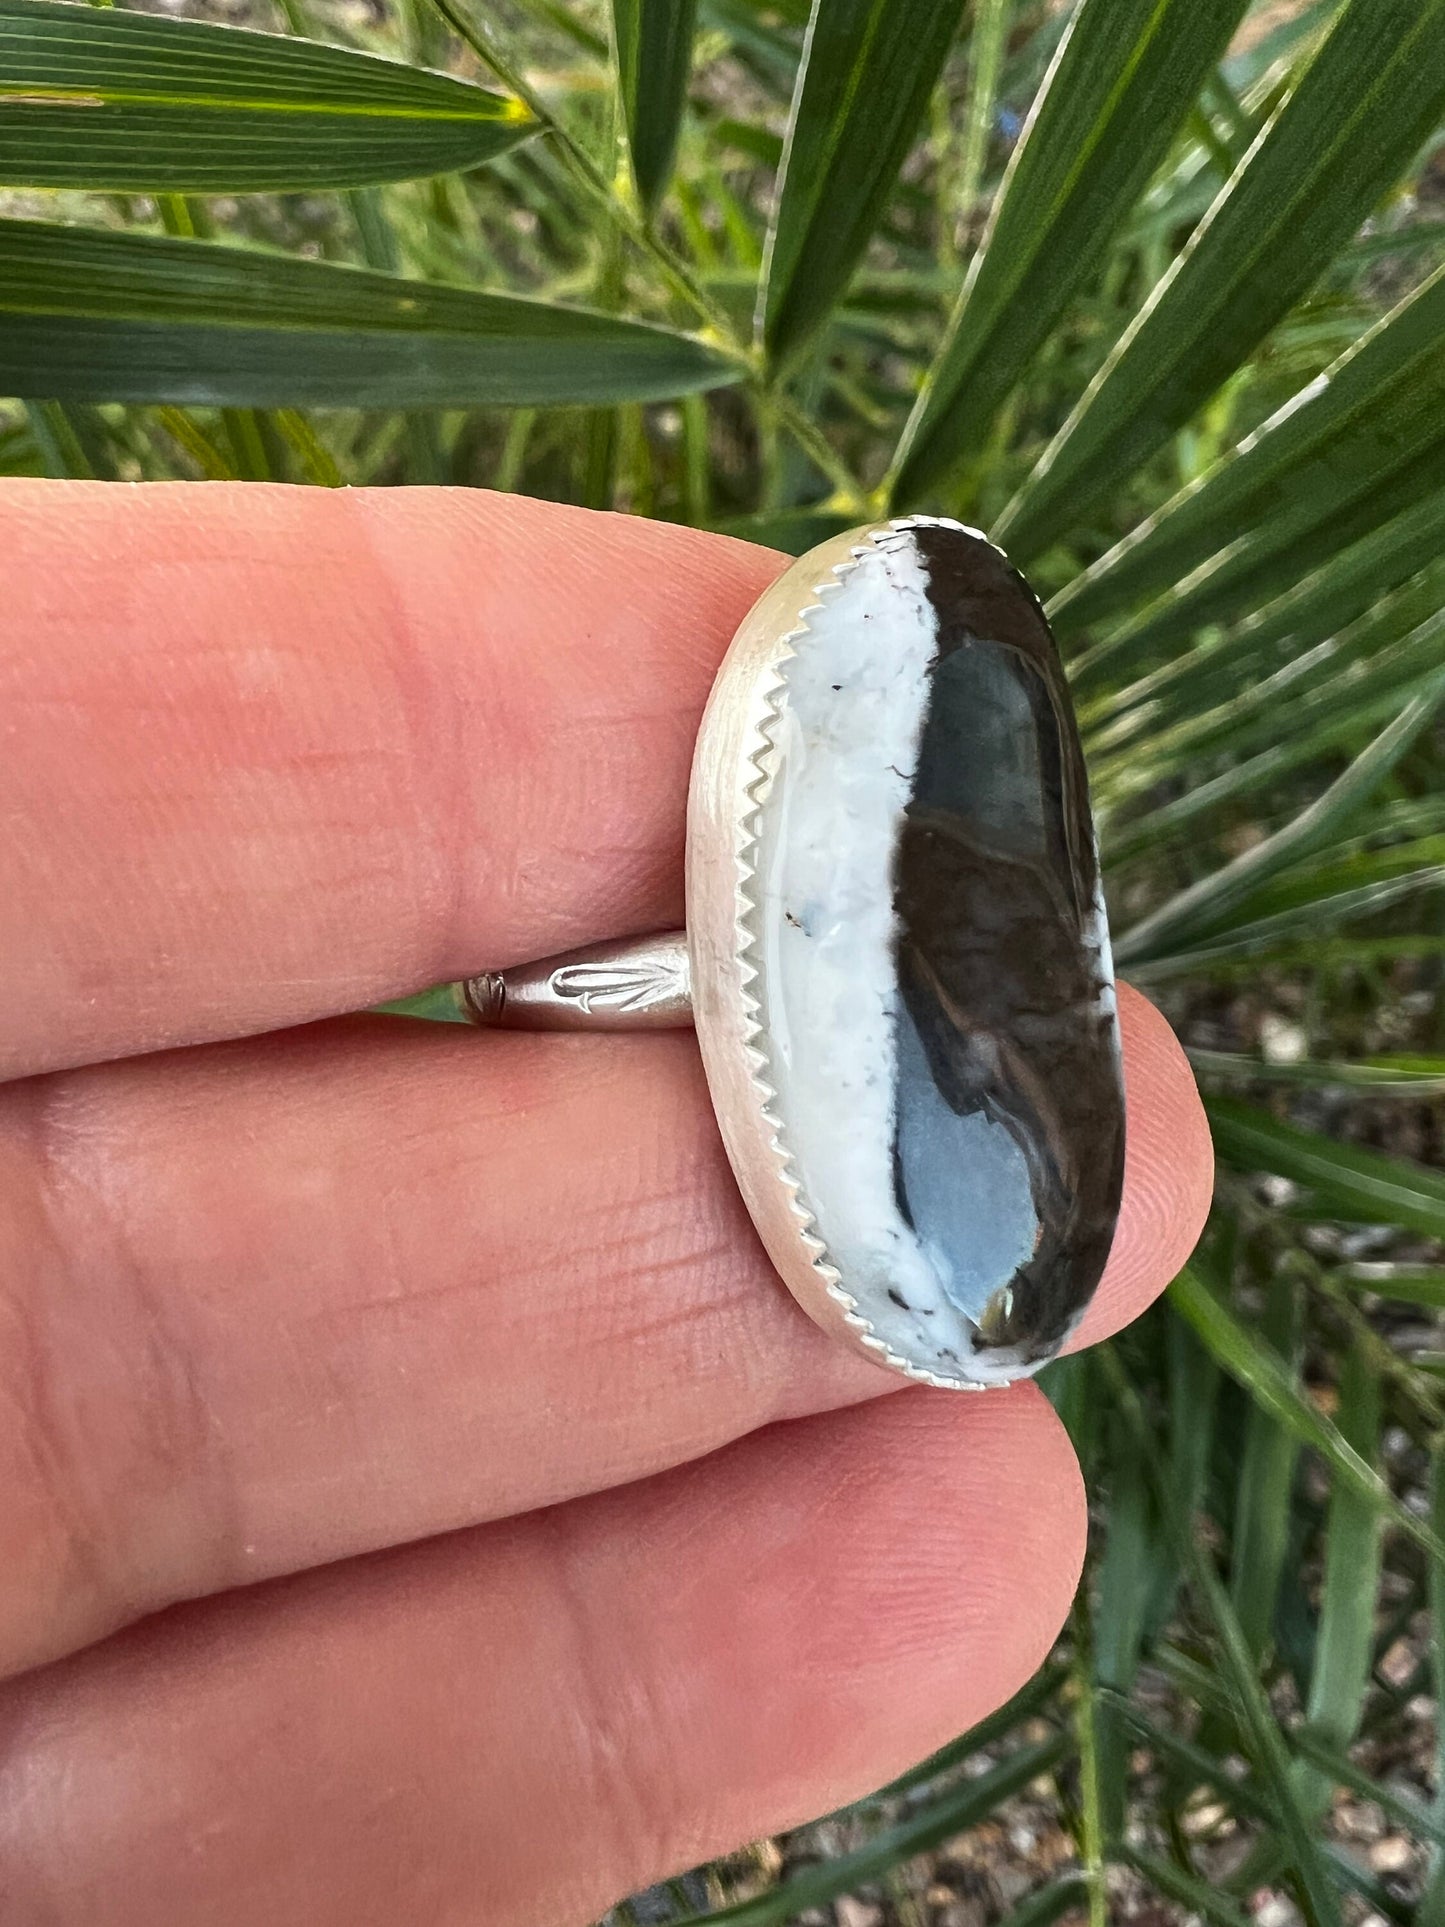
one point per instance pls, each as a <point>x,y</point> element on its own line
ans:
<point>897,957</point>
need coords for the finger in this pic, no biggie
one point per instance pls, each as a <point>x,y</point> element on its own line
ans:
<point>280,1302</point>
<point>519,1724</point>
<point>1168,1172</point>
<point>274,753</point>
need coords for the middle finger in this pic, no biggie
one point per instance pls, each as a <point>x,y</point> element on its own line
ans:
<point>282,1301</point>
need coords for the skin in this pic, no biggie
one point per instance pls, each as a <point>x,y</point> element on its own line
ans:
<point>418,1499</point>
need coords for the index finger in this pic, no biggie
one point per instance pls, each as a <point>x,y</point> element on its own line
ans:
<point>276,753</point>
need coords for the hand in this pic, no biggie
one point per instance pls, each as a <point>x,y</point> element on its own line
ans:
<point>419,1501</point>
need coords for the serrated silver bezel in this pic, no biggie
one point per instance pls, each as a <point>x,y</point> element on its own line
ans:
<point>734,767</point>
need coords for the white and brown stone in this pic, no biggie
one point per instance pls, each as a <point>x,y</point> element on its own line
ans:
<point>934,978</point>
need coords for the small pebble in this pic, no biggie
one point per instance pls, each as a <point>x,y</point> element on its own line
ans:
<point>851,1912</point>
<point>1394,1854</point>
<point>1398,1663</point>
<point>1274,1910</point>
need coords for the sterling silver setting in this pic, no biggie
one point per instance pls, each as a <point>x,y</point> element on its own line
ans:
<point>636,983</point>
<point>716,975</point>
<point>733,770</point>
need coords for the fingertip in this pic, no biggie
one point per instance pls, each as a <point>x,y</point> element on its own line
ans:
<point>958,1555</point>
<point>1168,1172</point>
<point>1033,1534</point>
<point>1054,1540</point>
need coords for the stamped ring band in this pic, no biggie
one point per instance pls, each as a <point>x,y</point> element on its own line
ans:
<point>897,957</point>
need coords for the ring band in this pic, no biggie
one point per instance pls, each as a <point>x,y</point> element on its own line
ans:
<point>897,958</point>
<point>635,983</point>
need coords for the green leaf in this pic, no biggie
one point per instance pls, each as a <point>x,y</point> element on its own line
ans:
<point>1265,939</point>
<point>1258,1728</point>
<point>1333,695</point>
<point>1192,1382</point>
<point>1240,1352</point>
<point>794,531</point>
<point>1041,1909</point>
<point>1380,1076</point>
<point>1130,1577</point>
<point>1363,443</point>
<point>952,1813</point>
<point>1344,1181</point>
<point>128,317</point>
<point>1192,1893</point>
<point>760,37</point>
<point>442,1004</point>
<point>1339,142</point>
<point>19,452</point>
<point>1263,1737</point>
<point>1193,1764</point>
<point>1126,1577</point>
<point>654,57</point>
<point>1375,569</point>
<point>1342,1771</point>
<point>1206,907</point>
<point>1410,1284</point>
<point>1253,63</point>
<point>215,462</point>
<point>1122,81</point>
<point>1197,1679</point>
<point>63,453</point>
<point>1432,1902</point>
<point>1358,869</point>
<point>1379,1900</point>
<point>1159,828</point>
<point>1343,1648</point>
<point>1266,1477</point>
<point>986,51</point>
<point>1318,954</point>
<point>1369,669</point>
<point>102,98</point>
<point>1354,579</point>
<point>868,67</point>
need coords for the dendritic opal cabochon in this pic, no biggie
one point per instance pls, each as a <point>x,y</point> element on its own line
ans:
<point>901,971</point>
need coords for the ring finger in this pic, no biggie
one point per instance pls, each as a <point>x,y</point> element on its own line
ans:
<point>278,1302</point>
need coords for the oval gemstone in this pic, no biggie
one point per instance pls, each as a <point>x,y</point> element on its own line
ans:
<point>934,989</point>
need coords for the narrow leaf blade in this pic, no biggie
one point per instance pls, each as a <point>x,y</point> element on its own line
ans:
<point>1344,1181</point>
<point>1339,142</point>
<point>127,317</point>
<point>951,1813</point>
<point>1251,1364</point>
<point>102,98</point>
<point>1331,466</point>
<point>1325,603</point>
<point>1411,1284</point>
<point>868,67</point>
<point>654,55</point>
<point>1121,83</point>
<point>1266,1480</point>
<point>1381,1076</point>
<point>1343,1649</point>
<point>1206,907</point>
